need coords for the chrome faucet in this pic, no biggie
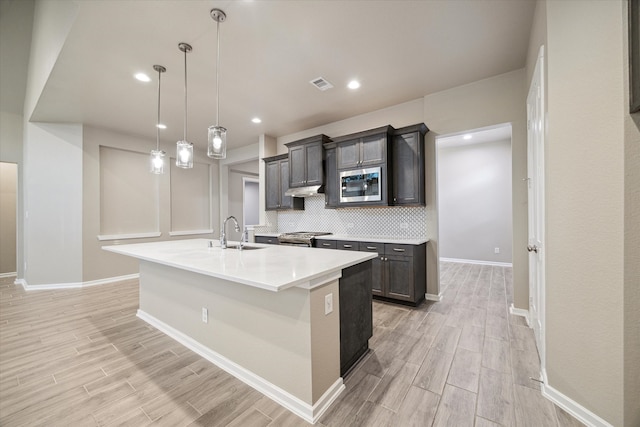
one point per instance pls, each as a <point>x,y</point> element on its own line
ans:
<point>223,235</point>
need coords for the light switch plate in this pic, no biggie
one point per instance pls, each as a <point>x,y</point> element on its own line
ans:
<point>205,315</point>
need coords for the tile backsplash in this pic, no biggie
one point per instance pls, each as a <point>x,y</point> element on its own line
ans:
<point>395,222</point>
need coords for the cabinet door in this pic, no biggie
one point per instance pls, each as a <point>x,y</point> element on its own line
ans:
<point>272,194</point>
<point>286,202</point>
<point>331,188</point>
<point>349,154</point>
<point>373,150</point>
<point>377,265</point>
<point>313,159</point>
<point>377,276</point>
<point>408,170</point>
<point>297,167</point>
<point>399,275</point>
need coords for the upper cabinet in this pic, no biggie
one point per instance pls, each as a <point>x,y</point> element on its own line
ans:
<point>277,183</point>
<point>331,186</point>
<point>363,149</point>
<point>306,161</point>
<point>407,168</point>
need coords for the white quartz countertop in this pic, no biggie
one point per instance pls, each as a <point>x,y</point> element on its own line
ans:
<point>396,240</point>
<point>274,267</point>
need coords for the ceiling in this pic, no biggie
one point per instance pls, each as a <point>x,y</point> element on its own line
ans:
<point>270,50</point>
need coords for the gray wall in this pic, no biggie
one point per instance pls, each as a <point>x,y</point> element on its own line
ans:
<point>474,200</point>
<point>8,201</point>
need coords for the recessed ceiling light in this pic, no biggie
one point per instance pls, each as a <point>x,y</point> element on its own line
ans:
<point>353,84</point>
<point>161,126</point>
<point>467,136</point>
<point>142,77</point>
<point>256,120</point>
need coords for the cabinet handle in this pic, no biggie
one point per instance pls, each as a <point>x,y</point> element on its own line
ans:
<point>347,246</point>
<point>371,248</point>
<point>326,244</point>
<point>398,250</point>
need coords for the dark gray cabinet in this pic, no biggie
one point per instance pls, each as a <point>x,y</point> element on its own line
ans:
<point>363,149</point>
<point>306,161</point>
<point>405,272</point>
<point>267,239</point>
<point>331,186</point>
<point>277,183</point>
<point>399,272</point>
<point>407,169</point>
<point>356,314</point>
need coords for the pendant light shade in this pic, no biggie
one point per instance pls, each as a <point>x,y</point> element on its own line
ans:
<point>217,138</point>
<point>184,149</point>
<point>217,146</point>
<point>157,155</point>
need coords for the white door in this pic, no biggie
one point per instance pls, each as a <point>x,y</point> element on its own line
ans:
<point>535,180</point>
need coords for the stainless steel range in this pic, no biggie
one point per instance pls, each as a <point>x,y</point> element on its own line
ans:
<point>300,238</point>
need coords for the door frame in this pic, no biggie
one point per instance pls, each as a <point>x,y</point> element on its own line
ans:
<point>536,127</point>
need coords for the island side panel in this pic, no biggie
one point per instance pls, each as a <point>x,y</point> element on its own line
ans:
<point>268,333</point>
<point>325,339</point>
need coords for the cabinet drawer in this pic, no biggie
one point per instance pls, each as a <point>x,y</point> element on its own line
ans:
<point>371,247</point>
<point>267,240</point>
<point>395,249</point>
<point>326,244</point>
<point>347,245</point>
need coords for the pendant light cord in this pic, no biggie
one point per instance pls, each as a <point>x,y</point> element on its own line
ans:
<point>158,122</point>
<point>218,74</point>
<point>185,95</point>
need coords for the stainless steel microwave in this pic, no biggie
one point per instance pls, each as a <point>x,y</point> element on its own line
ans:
<point>361,185</point>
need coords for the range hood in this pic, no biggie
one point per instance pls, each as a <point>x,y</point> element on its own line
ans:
<point>311,190</point>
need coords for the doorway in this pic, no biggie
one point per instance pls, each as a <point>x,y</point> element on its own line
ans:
<point>474,196</point>
<point>8,218</point>
<point>250,201</point>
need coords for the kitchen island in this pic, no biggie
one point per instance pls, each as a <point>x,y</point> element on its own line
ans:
<point>269,315</point>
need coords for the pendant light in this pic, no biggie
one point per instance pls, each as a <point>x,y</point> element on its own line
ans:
<point>157,155</point>
<point>217,139</point>
<point>184,149</point>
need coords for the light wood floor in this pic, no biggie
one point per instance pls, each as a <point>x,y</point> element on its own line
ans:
<point>82,358</point>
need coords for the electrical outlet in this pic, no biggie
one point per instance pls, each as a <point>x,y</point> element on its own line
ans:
<point>496,250</point>
<point>403,225</point>
<point>328,303</point>
<point>205,315</point>
<point>350,225</point>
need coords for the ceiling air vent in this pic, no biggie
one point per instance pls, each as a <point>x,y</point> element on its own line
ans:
<point>321,83</point>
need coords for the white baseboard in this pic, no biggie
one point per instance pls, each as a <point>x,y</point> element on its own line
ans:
<point>433,297</point>
<point>310,413</point>
<point>574,408</point>
<point>473,261</point>
<point>75,285</point>
<point>3,275</point>
<point>520,312</point>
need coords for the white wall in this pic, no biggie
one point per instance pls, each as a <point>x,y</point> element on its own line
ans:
<point>53,203</point>
<point>474,200</point>
<point>585,204</point>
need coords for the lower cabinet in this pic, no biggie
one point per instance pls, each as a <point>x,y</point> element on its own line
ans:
<point>267,239</point>
<point>398,273</point>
